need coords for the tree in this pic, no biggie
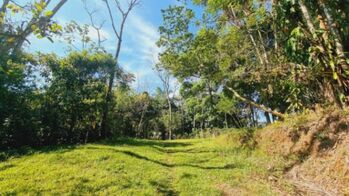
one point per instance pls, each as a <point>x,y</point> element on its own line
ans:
<point>14,33</point>
<point>19,98</point>
<point>240,47</point>
<point>75,95</point>
<point>119,36</point>
<point>189,57</point>
<point>165,78</point>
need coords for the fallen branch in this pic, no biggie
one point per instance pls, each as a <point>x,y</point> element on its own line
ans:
<point>261,107</point>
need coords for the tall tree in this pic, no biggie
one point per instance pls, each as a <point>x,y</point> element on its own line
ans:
<point>119,38</point>
<point>165,78</point>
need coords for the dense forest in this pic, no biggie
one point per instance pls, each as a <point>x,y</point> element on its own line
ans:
<point>239,64</point>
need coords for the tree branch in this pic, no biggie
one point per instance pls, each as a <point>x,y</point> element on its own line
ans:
<point>93,24</point>
<point>40,21</point>
<point>57,7</point>
<point>252,103</point>
<point>4,5</point>
<point>112,19</point>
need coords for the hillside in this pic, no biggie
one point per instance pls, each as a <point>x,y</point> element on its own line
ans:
<point>316,146</point>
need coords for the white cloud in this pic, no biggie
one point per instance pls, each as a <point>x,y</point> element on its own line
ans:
<point>93,34</point>
<point>145,35</point>
<point>99,3</point>
<point>140,52</point>
<point>126,49</point>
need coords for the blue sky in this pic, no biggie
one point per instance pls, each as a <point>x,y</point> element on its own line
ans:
<point>141,32</point>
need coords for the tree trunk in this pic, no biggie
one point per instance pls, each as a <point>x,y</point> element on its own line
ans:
<point>3,7</point>
<point>225,120</point>
<point>307,17</point>
<point>71,127</point>
<point>274,4</point>
<point>330,93</point>
<point>237,120</point>
<point>265,55</point>
<point>107,101</point>
<point>194,123</point>
<point>140,122</point>
<point>339,46</point>
<point>170,120</point>
<point>253,119</point>
<point>256,48</point>
<point>86,136</point>
<point>259,56</point>
<point>202,121</point>
<point>267,117</point>
<point>261,107</point>
<point>342,65</point>
<point>211,101</point>
<point>119,36</point>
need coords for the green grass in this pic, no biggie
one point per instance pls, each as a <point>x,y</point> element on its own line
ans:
<point>138,167</point>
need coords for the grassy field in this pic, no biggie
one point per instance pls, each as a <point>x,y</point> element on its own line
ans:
<point>138,167</point>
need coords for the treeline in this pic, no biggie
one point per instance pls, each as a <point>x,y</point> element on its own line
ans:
<point>82,97</point>
<point>64,104</point>
<point>239,64</point>
<point>46,99</point>
<point>277,56</point>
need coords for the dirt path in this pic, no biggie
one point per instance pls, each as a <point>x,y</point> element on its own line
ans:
<point>167,186</point>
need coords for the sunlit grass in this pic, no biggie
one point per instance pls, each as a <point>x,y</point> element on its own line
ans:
<point>137,167</point>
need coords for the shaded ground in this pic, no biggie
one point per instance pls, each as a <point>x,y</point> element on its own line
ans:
<point>138,167</point>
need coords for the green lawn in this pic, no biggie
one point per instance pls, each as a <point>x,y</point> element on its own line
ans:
<point>138,167</point>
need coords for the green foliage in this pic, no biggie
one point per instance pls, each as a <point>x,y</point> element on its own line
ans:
<point>226,104</point>
<point>18,22</point>
<point>266,51</point>
<point>66,110</point>
<point>235,62</point>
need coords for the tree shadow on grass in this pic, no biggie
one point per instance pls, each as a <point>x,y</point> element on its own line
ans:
<point>174,151</point>
<point>188,176</point>
<point>142,142</point>
<point>5,167</point>
<point>168,165</point>
<point>163,189</point>
<point>26,151</point>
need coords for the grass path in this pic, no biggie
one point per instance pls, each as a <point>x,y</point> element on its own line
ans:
<point>137,167</point>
